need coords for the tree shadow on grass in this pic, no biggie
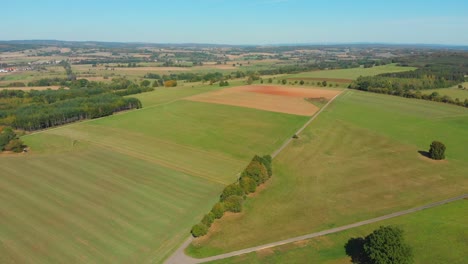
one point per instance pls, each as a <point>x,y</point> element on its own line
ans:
<point>424,154</point>
<point>355,249</point>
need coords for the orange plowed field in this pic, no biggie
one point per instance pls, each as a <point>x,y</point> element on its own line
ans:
<point>281,99</point>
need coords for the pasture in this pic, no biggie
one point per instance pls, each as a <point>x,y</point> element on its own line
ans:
<point>437,235</point>
<point>359,159</point>
<point>347,75</point>
<point>128,187</point>
<point>268,97</point>
<point>453,92</point>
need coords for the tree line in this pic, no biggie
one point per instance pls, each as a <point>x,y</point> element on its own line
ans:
<point>232,197</point>
<point>410,84</point>
<point>39,116</point>
<point>33,110</point>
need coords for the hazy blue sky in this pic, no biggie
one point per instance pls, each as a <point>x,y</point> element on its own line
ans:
<point>238,21</point>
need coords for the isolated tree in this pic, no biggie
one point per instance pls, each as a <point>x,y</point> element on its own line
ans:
<point>460,86</point>
<point>324,83</point>
<point>437,150</point>
<point>387,246</point>
<point>284,81</point>
<point>301,82</point>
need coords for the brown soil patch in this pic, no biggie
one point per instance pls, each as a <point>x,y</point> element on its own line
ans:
<point>334,80</point>
<point>281,99</point>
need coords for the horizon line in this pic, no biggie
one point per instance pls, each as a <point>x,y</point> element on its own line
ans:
<point>252,44</point>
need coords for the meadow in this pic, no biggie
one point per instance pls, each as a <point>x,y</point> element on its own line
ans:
<point>436,235</point>
<point>358,160</point>
<point>453,92</point>
<point>128,187</point>
<point>350,74</point>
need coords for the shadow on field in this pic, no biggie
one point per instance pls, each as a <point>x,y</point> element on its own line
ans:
<point>355,249</point>
<point>424,153</point>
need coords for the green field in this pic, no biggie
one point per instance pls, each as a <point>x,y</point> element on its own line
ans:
<point>437,235</point>
<point>127,188</point>
<point>358,160</point>
<point>453,92</point>
<point>352,73</point>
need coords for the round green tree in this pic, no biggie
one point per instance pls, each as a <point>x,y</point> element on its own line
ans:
<point>437,150</point>
<point>199,230</point>
<point>387,246</point>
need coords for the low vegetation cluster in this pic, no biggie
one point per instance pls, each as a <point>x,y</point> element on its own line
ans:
<point>9,141</point>
<point>231,199</point>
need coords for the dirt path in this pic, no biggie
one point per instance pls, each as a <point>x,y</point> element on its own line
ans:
<point>304,126</point>
<point>179,256</point>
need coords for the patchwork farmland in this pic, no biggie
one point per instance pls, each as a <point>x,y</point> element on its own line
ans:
<point>116,152</point>
<point>281,99</point>
<point>358,160</point>
<point>126,188</point>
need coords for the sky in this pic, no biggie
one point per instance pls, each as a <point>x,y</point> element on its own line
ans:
<point>238,21</point>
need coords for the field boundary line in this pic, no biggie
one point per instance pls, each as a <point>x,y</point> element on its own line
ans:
<point>179,255</point>
<point>114,114</point>
<point>285,144</point>
<point>189,260</point>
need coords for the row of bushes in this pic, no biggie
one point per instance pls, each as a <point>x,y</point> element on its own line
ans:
<point>232,198</point>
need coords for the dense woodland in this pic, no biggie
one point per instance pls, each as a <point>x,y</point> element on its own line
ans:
<point>436,71</point>
<point>33,110</point>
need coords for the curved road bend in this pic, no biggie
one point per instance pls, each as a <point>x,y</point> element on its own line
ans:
<point>179,256</point>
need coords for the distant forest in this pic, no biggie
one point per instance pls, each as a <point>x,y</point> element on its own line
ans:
<point>33,110</point>
<point>439,70</point>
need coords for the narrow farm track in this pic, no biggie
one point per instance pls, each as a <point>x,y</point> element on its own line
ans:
<point>304,126</point>
<point>179,256</point>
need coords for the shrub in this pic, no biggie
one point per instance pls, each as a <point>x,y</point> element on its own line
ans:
<point>208,219</point>
<point>199,230</point>
<point>170,83</point>
<point>232,189</point>
<point>218,210</point>
<point>266,161</point>
<point>437,150</point>
<point>247,184</point>
<point>256,171</point>
<point>234,204</point>
<point>15,145</point>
